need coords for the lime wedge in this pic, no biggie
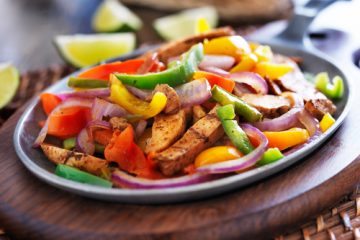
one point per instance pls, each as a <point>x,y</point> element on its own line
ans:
<point>9,82</point>
<point>84,50</point>
<point>112,16</point>
<point>184,23</point>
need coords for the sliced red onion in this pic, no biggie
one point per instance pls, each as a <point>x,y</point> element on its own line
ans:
<point>310,123</point>
<point>91,93</point>
<point>95,125</point>
<point>284,122</point>
<point>101,108</point>
<point>194,93</point>
<point>84,143</point>
<point>98,124</point>
<point>140,128</point>
<point>243,162</point>
<point>140,93</point>
<point>253,80</point>
<point>216,70</point>
<point>125,180</point>
<point>223,62</point>
<point>241,88</point>
<point>70,102</point>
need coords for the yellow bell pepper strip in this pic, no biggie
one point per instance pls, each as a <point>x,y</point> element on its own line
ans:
<point>234,46</point>
<point>217,154</point>
<point>246,64</point>
<point>271,155</point>
<point>202,26</point>
<point>334,90</point>
<point>121,96</point>
<point>232,129</point>
<point>223,97</point>
<point>263,53</point>
<point>272,70</point>
<point>75,82</point>
<point>286,139</point>
<point>176,75</point>
<point>326,122</point>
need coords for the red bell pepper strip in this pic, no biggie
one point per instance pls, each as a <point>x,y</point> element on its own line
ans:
<point>214,79</point>
<point>103,71</point>
<point>123,150</point>
<point>49,102</point>
<point>68,122</point>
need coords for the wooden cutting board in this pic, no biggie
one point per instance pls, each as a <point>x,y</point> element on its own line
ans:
<point>31,209</point>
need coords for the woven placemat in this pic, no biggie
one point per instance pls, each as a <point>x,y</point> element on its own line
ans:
<point>339,222</point>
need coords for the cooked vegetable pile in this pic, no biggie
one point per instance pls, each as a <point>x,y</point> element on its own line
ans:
<point>194,110</point>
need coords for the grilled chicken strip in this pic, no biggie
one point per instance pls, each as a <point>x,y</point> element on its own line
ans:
<point>198,113</point>
<point>315,102</point>
<point>167,128</point>
<point>82,161</point>
<point>201,135</point>
<point>269,105</point>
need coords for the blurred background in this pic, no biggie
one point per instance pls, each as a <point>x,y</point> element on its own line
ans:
<point>28,27</point>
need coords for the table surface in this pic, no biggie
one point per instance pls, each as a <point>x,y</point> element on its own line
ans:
<point>28,27</point>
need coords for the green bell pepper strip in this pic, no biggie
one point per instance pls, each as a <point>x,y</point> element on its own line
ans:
<point>250,113</point>
<point>87,83</point>
<point>271,155</point>
<point>232,129</point>
<point>176,75</point>
<point>332,90</point>
<point>77,175</point>
<point>70,144</point>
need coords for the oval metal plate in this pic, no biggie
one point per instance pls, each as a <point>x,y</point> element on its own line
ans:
<point>34,160</point>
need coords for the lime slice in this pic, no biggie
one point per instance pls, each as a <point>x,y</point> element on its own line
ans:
<point>184,24</point>
<point>84,50</point>
<point>9,82</point>
<point>112,16</point>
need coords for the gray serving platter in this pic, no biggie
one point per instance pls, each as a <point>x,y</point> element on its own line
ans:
<point>35,161</point>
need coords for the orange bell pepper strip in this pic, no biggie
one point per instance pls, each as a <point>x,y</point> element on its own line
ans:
<point>215,79</point>
<point>68,122</point>
<point>103,71</point>
<point>286,139</point>
<point>217,154</point>
<point>49,102</point>
<point>123,150</point>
